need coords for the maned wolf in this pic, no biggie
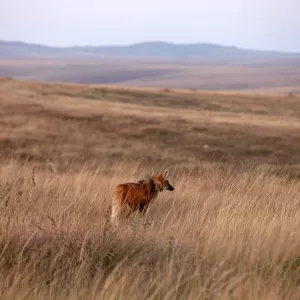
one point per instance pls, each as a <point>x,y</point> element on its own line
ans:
<point>133,196</point>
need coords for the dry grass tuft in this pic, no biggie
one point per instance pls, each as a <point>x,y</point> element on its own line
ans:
<point>222,235</point>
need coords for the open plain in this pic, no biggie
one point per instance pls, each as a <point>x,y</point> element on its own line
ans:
<point>263,75</point>
<point>229,230</point>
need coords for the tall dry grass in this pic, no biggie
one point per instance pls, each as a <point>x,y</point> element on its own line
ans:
<point>224,233</point>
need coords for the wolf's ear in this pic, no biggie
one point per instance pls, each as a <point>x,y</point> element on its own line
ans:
<point>166,173</point>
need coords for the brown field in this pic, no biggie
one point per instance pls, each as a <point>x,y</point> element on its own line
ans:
<point>230,230</point>
<point>268,75</point>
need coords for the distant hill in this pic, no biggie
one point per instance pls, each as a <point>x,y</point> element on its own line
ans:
<point>20,50</point>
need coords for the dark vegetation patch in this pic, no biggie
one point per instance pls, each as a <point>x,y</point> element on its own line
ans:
<point>61,255</point>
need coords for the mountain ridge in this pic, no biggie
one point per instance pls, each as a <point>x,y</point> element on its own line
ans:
<point>156,49</point>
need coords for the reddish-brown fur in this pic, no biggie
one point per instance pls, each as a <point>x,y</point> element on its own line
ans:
<point>133,196</point>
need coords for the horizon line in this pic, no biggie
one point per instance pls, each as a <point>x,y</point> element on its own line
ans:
<point>146,42</point>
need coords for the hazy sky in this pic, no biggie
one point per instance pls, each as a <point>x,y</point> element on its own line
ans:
<point>260,24</point>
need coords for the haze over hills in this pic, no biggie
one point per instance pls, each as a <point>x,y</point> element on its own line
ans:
<point>155,64</point>
<point>20,50</point>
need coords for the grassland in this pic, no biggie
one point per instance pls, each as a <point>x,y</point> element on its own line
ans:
<point>268,75</point>
<point>230,230</point>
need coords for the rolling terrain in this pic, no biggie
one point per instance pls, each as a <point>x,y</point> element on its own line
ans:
<point>230,230</point>
<point>155,64</point>
<point>275,76</point>
<point>147,124</point>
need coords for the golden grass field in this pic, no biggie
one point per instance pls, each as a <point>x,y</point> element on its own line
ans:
<point>230,230</point>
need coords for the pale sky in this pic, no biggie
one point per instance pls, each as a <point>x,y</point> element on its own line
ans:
<point>254,24</point>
